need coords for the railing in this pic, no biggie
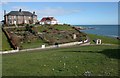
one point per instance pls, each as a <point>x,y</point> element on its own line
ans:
<point>48,47</point>
<point>11,51</point>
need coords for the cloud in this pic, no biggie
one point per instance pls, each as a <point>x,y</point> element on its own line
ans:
<point>19,7</point>
<point>56,11</point>
<point>3,3</point>
<point>48,11</point>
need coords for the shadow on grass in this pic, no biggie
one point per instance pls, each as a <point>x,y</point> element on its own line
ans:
<point>110,53</point>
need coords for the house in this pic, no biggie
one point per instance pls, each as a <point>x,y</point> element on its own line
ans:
<point>98,41</point>
<point>20,17</point>
<point>48,20</point>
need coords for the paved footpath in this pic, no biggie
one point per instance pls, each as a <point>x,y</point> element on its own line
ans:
<point>86,43</point>
<point>48,47</point>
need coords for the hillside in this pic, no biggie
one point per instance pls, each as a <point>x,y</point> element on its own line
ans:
<point>96,60</point>
<point>30,36</point>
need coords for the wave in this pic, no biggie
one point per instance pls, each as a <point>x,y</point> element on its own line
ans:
<point>113,35</point>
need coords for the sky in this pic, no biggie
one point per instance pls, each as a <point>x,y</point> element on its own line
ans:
<point>75,13</point>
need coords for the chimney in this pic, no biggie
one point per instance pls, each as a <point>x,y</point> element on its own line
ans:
<point>4,12</point>
<point>34,13</point>
<point>20,10</point>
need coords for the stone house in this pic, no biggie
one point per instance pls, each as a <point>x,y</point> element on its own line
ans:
<point>20,17</point>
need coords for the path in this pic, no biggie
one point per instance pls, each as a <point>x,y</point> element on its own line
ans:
<point>51,47</point>
<point>86,42</point>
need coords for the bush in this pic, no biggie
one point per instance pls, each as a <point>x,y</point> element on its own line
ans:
<point>44,30</point>
<point>20,24</point>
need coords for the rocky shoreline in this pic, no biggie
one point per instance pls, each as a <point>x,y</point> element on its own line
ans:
<point>86,28</point>
<point>83,28</point>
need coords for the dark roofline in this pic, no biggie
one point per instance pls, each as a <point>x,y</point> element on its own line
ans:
<point>47,18</point>
<point>20,13</point>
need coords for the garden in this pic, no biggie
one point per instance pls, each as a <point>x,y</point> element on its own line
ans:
<point>32,36</point>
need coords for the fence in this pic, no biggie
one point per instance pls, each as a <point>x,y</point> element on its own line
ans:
<point>49,47</point>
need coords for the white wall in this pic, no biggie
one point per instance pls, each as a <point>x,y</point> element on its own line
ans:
<point>48,22</point>
<point>53,22</point>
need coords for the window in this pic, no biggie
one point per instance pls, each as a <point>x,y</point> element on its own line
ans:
<point>9,17</point>
<point>14,17</point>
<point>29,17</point>
<point>10,21</point>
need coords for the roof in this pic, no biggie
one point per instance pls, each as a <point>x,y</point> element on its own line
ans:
<point>48,19</point>
<point>25,13</point>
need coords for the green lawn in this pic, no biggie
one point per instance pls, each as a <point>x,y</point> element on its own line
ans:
<point>58,27</point>
<point>71,61</point>
<point>0,39</point>
<point>104,39</point>
<point>63,27</point>
<point>5,43</point>
<point>41,28</point>
<point>34,44</point>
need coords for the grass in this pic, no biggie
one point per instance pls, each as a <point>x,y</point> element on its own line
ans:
<point>6,46</point>
<point>71,61</point>
<point>0,39</point>
<point>57,33</point>
<point>35,44</point>
<point>41,28</point>
<point>58,27</point>
<point>104,39</point>
<point>5,43</point>
<point>63,27</point>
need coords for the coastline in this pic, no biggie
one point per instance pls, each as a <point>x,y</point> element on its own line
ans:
<point>103,30</point>
<point>83,28</point>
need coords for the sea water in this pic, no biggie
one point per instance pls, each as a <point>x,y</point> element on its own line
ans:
<point>105,30</point>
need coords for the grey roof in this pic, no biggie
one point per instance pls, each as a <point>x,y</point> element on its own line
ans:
<point>25,13</point>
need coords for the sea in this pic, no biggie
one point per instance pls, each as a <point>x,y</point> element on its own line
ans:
<point>105,30</point>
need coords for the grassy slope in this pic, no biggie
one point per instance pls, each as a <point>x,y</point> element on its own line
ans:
<point>5,43</point>
<point>0,38</point>
<point>63,27</point>
<point>59,27</point>
<point>99,60</point>
<point>37,43</point>
<point>104,39</point>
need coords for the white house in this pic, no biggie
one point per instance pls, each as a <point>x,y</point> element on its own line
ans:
<point>98,41</point>
<point>48,20</point>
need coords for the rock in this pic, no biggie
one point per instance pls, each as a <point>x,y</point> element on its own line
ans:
<point>53,69</point>
<point>87,73</point>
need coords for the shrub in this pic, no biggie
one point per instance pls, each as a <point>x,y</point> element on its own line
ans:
<point>44,30</point>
